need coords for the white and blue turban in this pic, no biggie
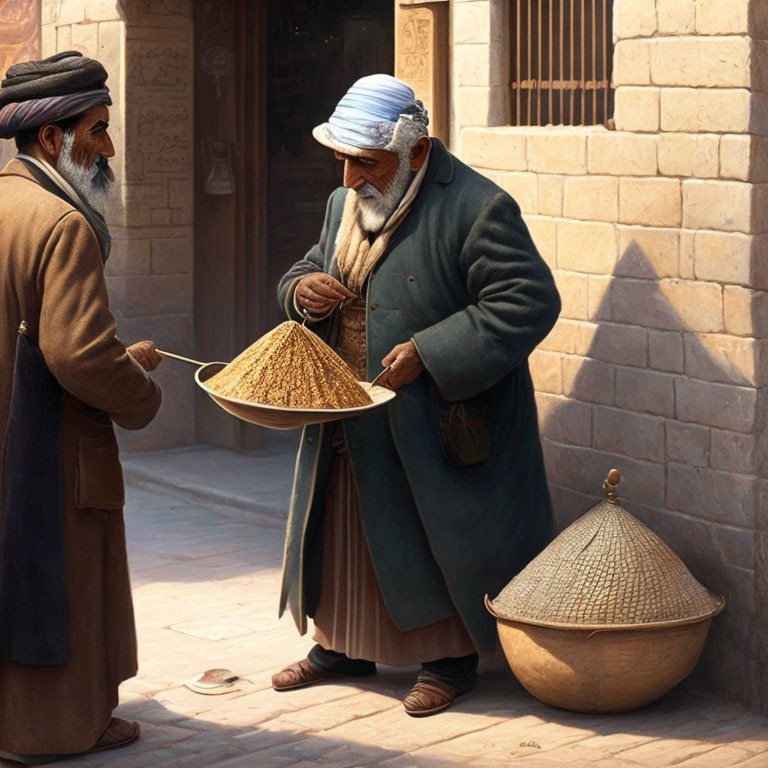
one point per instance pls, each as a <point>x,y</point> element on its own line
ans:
<point>373,114</point>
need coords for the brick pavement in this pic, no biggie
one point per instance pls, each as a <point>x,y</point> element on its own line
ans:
<point>205,584</point>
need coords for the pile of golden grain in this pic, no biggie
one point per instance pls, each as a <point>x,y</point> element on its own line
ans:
<point>290,367</point>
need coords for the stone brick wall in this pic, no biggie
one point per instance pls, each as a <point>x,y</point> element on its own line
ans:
<point>147,48</point>
<point>657,236</point>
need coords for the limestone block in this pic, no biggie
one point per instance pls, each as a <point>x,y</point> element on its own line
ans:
<point>600,297</point>
<point>64,38</point>
<point>551,192</point>
<point>71,12</point>
<point>634,18</point>
<point>474,65</point>
<point>688,443</point>
<point>574,293</point>
<point>723,257</point>
<point>524,189</point>
<point>111,44</point>
<point>591,198</point>
<point>173,256</point>
<point>699,306</point>
<point>637,109</point>
<point>651,202</point>
<point>665,351</point>
<point>758,20</point>
<point>564,419</point>
<point>586,247</point>
<point>689,154</point>
<point>472,23</point>
<point>473,107</point>
<point>642,302</point>
<point>717,357</point>
<point>676,17</point>
<point>722,17</point>
<point>631,63</point>
<point>584,469</point>
<point>759,62</point>
<point>47,40</point>
<point>736,157</point>
<point>721,205</point>
<point>649,252</point>
<point>589,380</point>
<point>129,257</point>
<point>49,11</point>
<point>544,234</point>
<point>151,295</point>
<point>645,391</point>
<point>571,337</point>
<point>759,208</point>
<point>734,452</point>
<point>499,148</point>
<point>726,406</point>
<point>687,240</point>
<point>161,216</point>
<point>546,371</point>
<point>621,344</point>
<point>711,495</point>
<point>557,151</point>
<point>103,10</point>
<point>745,311</point>
<point>702,110</point>
<point>707,62</point>
<point>632,434</point>
<point>621,154</point>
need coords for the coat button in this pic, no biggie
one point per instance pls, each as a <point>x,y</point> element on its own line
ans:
<point>411,279</point>
<point>375,305</point>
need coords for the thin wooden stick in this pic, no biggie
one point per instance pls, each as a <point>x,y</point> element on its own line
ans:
<point>179,357</point>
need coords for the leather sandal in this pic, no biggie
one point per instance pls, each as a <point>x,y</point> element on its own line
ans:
<point>426,699</point>
<point>119,733</point>
<point>300,675</point>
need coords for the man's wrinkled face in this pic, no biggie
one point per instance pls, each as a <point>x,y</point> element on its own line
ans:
<point>376,167</point>
<point>379,178</point>
<point>83,159</point>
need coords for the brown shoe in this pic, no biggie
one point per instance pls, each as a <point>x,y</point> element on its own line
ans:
<point>426,699</point>
<point>119,733</point>
<point>299,675</point>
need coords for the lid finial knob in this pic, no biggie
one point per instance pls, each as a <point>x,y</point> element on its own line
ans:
<point>610,485</point>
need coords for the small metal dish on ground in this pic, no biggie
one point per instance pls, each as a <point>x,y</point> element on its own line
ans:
<point>275,417</point>
<point>607,618</point>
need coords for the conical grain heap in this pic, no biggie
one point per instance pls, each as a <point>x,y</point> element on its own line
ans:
<point>290,367</point>
<point>607,568</point>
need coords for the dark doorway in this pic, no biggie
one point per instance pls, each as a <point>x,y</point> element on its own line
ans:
<point>266,74</point>
<point>315,51</point>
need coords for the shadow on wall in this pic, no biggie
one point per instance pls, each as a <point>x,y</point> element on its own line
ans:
<point>653,389</point>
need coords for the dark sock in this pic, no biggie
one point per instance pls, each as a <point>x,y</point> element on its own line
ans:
<point>339,663</point>
<point>457,675</point>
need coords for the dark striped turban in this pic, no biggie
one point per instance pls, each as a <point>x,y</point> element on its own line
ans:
<point>38,92</point>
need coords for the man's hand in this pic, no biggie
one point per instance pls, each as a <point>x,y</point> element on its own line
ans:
<point>404,366</point>
<point>145,354</point>
<point>319,293</point>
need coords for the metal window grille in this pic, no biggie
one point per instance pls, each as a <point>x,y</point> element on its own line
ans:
<point>561,61</point>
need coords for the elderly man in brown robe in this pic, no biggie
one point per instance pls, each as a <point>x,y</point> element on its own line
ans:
<point>67,635</point>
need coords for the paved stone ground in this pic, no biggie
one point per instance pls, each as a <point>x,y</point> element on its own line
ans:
<point>205,583</point>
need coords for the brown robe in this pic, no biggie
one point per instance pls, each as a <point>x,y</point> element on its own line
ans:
<point>51,275</point>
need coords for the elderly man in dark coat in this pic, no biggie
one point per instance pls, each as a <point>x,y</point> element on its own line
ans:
<point>67,636</point>
<point>401,520</point>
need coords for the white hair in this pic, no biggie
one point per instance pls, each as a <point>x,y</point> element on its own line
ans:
<point>90,183</point>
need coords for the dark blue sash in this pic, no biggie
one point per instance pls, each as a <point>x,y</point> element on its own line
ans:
<point>33,604</point>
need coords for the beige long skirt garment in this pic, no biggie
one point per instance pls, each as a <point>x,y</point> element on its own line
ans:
<point>351,617</point>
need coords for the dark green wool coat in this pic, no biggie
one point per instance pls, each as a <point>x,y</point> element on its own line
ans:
<point>462,277</point>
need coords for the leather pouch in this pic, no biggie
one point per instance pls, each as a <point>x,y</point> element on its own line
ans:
<point>463,430</point>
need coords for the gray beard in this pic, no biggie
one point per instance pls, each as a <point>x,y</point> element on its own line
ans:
<point>90,183</point>
<point>374,207</point>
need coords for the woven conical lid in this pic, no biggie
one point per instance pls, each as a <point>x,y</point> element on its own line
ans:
<point>290,367</point>
<point>605,569</point>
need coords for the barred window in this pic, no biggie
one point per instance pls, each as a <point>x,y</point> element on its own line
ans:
<point>561,59</point>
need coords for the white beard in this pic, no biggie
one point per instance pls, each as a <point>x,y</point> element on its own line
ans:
<point>92,184</point>
<point>374,207</point>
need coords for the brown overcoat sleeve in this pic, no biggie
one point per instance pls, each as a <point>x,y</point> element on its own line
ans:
<point>77,333</point>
